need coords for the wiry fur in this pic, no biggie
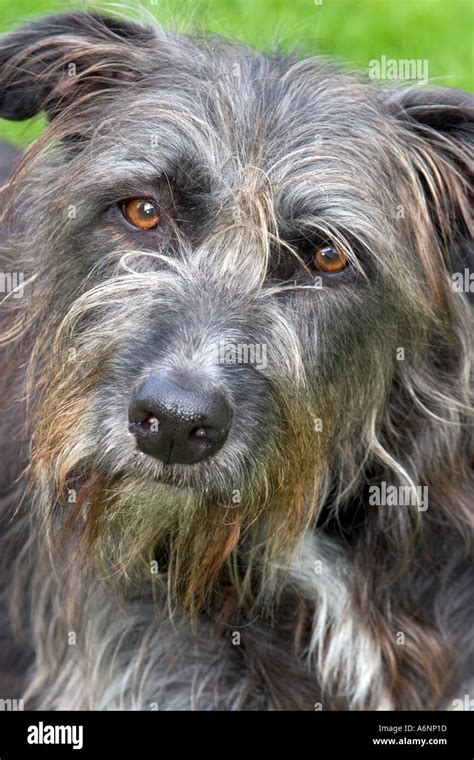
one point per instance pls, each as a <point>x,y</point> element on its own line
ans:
<point>253,158</point>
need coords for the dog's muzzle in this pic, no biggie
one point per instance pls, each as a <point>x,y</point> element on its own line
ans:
<point>178,421</point>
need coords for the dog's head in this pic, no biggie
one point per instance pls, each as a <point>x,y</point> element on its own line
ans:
<point>238,288</point>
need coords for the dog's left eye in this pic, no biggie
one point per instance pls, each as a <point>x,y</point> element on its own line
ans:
<point>330,259</point>
<point>141,212</point>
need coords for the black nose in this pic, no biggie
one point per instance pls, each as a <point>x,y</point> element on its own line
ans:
<point>178,422</point>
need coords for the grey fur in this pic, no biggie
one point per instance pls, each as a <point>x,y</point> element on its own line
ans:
<point>255,161</point>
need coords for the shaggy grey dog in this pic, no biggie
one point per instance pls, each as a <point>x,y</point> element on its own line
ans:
<point>235,438</point>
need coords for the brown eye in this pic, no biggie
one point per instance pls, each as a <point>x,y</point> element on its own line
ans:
<point>330,258</point>
<point>141,212</point>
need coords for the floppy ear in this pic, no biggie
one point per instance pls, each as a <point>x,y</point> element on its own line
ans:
<point>440,131</point>
<point>49,62</point>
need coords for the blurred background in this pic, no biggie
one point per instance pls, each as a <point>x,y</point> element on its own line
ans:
<point>438,32</point>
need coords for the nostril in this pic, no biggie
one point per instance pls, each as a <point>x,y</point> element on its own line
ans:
<point>149,425</point>
<point>199,432</point>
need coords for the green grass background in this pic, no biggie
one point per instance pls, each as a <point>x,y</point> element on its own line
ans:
<point>355,31</point>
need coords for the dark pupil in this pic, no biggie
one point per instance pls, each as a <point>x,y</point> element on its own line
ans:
<point>147,209</point>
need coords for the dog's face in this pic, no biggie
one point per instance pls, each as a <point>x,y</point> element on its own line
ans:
<point>243,256</point>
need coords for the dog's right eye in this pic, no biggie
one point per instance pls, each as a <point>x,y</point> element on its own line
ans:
<point>141,213</point>
<point>330,259</point>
